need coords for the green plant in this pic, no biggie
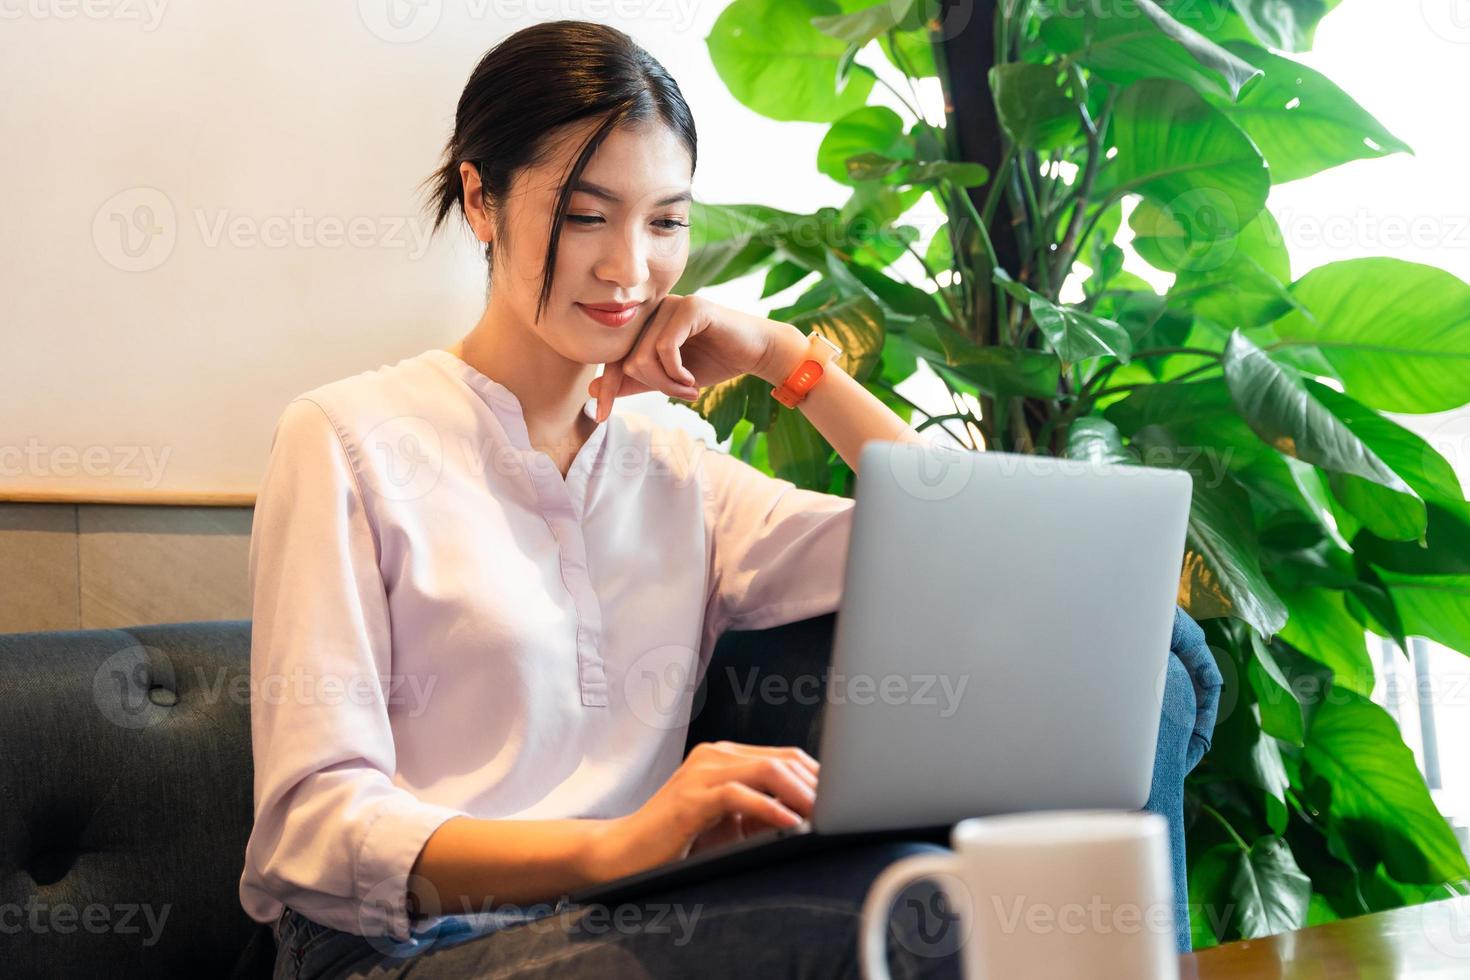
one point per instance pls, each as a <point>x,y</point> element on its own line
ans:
<point>1314,517</point>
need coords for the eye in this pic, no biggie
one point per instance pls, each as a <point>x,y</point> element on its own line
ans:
<point>667,224</point>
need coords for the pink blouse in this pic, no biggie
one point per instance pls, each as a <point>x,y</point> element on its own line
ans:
<point>443,625</point>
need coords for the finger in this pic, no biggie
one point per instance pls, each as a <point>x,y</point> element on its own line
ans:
<point>792,752</point>
<point>669,355</point>
<point>802,766</point>
<point>752,804</point>
<point>655,364</point>
<point>747,748</point>
<point>607,388</point>
<point>656,377</point>
<point>773,776</point>
<point>629,386</point>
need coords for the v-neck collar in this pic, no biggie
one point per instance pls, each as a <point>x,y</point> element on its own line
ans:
<point>508,410</point>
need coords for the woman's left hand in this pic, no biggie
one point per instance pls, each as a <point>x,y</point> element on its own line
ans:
<point>687,343</point>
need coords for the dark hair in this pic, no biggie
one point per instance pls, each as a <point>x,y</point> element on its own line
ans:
<point>536,80</point>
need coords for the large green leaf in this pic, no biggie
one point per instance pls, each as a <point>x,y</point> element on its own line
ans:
<point>723,405</point>
<point>1321,628</point>
<point>1236,281</point>
<point>1285,24</point>
<point>1215,19</point>
<point>1168,245</point>
<point>860,24</point>
<point>1436,606</point>
<point>1405,452</point>
<point>1096,440</point>
<point>899,297</point>
<point>1311,484</point>
<point>872,166</point>
<point>1397,333</point>
<point>855,324</point>
<point>994,369</point>
<point>771,59</point>
<point>1284,413</point>
<point>915,55</point>
<point>783,275</point>
<point>1281,710</point>
<point>1034,106</point>
<point>1270,889</point>
<point>1073,333</point>
<point>1446,550</point>
<point>798,452</point>
<point>1240,748</point>
<point>1002,371</point>
<point>1150,324</point>
<point>1379,803</point>
<point>1222,571</point>
<point>1199,415</point>
<point>1076,334</point>
<point>1210,901</point>
<point>871,129</point>
<point>725,242</point>
<point>1126,40</point>
<point>1301,121</point>
<point>1183,154</point>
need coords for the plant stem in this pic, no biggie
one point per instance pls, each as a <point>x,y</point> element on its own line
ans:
<point>903,65</point>
<point>935,419</point>
<point>1094,396</point>
<point>1108,369</point>
<point>1239,840</point>
<point>921,411</point>
<point>1039,242</point>
<point>1002,176</point>
<point>952,306</point>
<point>975,219</point>
<point>899,96</point>
<point>1072,240</point>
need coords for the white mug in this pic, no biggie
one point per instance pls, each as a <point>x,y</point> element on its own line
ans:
<point>1053,893</point>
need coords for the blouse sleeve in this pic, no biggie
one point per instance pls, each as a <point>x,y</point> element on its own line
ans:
<point>334,837</point>
<point>778,551</point>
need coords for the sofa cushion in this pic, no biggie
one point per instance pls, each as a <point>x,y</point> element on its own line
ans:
<point>125,802</point>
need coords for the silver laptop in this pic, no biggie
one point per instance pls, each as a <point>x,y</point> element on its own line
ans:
<point>1001,646</point>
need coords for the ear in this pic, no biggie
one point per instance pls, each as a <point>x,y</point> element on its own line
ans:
<point>477,211</point>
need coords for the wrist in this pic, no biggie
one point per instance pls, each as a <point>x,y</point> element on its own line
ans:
<point>599,858</point>
<point>786,350</point>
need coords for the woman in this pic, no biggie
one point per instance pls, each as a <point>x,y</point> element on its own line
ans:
<point>461,576</point>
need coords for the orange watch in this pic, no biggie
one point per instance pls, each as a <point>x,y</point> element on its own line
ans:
<point>819,352</point>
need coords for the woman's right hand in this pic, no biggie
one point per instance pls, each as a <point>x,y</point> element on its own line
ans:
<point>723,790</point>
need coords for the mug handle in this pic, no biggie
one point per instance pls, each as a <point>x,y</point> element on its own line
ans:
<point>890,883</point>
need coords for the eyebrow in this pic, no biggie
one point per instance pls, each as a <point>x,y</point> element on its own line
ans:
<point>597,190</point>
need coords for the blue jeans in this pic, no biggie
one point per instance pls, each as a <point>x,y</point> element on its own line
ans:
<point>797,919</point>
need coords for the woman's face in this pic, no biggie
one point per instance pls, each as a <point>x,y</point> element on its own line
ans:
<point>625,238</point>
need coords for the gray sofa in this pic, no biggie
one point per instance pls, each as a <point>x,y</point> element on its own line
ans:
<point>125,785</point>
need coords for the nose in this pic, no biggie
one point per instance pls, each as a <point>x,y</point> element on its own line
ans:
<point>625,262</point>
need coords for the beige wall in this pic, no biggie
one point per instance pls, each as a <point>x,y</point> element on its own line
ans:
<point>89,566</point>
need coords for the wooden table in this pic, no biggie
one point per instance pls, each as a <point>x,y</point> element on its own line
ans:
<point>1430,940</point>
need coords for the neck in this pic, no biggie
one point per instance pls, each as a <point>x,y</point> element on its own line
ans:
<point>551,388</point>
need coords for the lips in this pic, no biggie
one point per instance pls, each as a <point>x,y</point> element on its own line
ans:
<point>611,314</point>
